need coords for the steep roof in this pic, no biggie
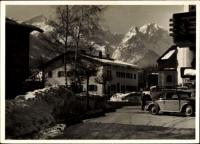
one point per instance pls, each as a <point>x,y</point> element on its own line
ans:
<point>103,61</point>
<point>22,24</point>
<point>111,61</point>
<point>167,54</point>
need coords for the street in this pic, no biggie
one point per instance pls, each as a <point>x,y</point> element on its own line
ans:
<point>131,123</point>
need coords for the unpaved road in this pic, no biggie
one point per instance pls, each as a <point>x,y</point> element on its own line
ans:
<point>132,123</point>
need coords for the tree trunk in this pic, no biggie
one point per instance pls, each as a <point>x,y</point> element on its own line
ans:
<point>87,92</point>
<point>77,49</point>
<point>104,89</point>
<point>43,77</point>
<point>66,47</point>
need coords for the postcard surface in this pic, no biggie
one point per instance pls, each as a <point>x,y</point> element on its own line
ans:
<point>100,71</point>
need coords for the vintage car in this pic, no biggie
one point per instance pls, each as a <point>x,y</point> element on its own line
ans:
<point>173,101</point>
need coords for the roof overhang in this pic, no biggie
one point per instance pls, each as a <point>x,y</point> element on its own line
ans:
<point>23,25</point>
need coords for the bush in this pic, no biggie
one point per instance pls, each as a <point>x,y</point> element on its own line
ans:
<point>24,118</point>
<point>40,109</point>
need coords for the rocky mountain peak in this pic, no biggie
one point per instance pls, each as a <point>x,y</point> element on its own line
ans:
<point>140,42</point>
<point>150,28</point>
<point>42,22</point>
<point>37,19</point>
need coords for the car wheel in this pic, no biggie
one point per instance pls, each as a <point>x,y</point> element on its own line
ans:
<point>154,110</point>
<point>189,111</point>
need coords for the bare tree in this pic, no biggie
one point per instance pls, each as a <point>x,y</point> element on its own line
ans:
<point>85,23</point>
<point>85,71</point>
<point>61,32</point>
<point>75,25</point>
<point>102,78</point>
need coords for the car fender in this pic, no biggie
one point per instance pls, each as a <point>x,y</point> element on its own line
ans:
<point>185,105</point>
<point>152,104</point>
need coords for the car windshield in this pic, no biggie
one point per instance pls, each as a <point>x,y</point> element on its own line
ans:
<point>185,95</point>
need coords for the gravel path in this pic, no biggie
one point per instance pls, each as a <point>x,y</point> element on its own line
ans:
<point>132,123</point>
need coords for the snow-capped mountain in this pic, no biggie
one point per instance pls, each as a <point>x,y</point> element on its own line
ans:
<point>41,22</point>
<point>143,45</point>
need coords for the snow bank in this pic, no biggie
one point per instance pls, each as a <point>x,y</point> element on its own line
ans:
<point>119,96</point>
<point>37,110</point>
<point>32,94</point>
<point>51,132</point>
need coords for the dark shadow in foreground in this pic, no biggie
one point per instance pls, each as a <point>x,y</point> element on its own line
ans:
<point>124,131</point>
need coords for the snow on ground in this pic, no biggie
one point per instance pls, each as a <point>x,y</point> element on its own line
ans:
<point>32,94</point>
<point>51,132</point>
<point>119,96</point>
<point>27,114</point>
<point>44,26</point>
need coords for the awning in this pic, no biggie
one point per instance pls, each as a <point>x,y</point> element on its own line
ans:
<point>190,72</point>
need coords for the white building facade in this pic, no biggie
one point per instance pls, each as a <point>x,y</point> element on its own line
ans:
<point>121,77</point>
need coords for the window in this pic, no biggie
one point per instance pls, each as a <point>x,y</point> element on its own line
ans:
<point>100,54</point>
<point>169,78</point>
<point>127,75</point>
<point>117,74</point>
<point>169,96</point>
<point>92,88</point>
<point>61,74</point>
<point>113,88</point>
<point>131,88</point>
<point>69,73</point>
<point>123,75</point>
<point>120,74</point>
<point>118,87</point>
<point>185,95</point>
<point>174,96</point>
<point>131,76</point>
<point>50,74</point>
<point>123,89</point>
<point>109,73</point>
<point>134,76</point>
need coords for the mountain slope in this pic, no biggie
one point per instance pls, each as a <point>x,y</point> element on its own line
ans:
<point>143,45</point>
<point>42,46</point>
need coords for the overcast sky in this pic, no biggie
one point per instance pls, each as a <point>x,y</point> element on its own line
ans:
<point>118,18</point>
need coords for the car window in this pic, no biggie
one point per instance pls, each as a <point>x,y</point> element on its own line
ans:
<point>169,95</point>
<point>185,95</point>
<point>174,96</point>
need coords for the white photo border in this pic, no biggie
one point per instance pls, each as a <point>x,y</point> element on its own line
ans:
<point>3,5</point>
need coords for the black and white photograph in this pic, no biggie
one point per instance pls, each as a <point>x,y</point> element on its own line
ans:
<point>99,71</point>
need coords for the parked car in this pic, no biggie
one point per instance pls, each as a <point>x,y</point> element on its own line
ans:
<point>173,101</point>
